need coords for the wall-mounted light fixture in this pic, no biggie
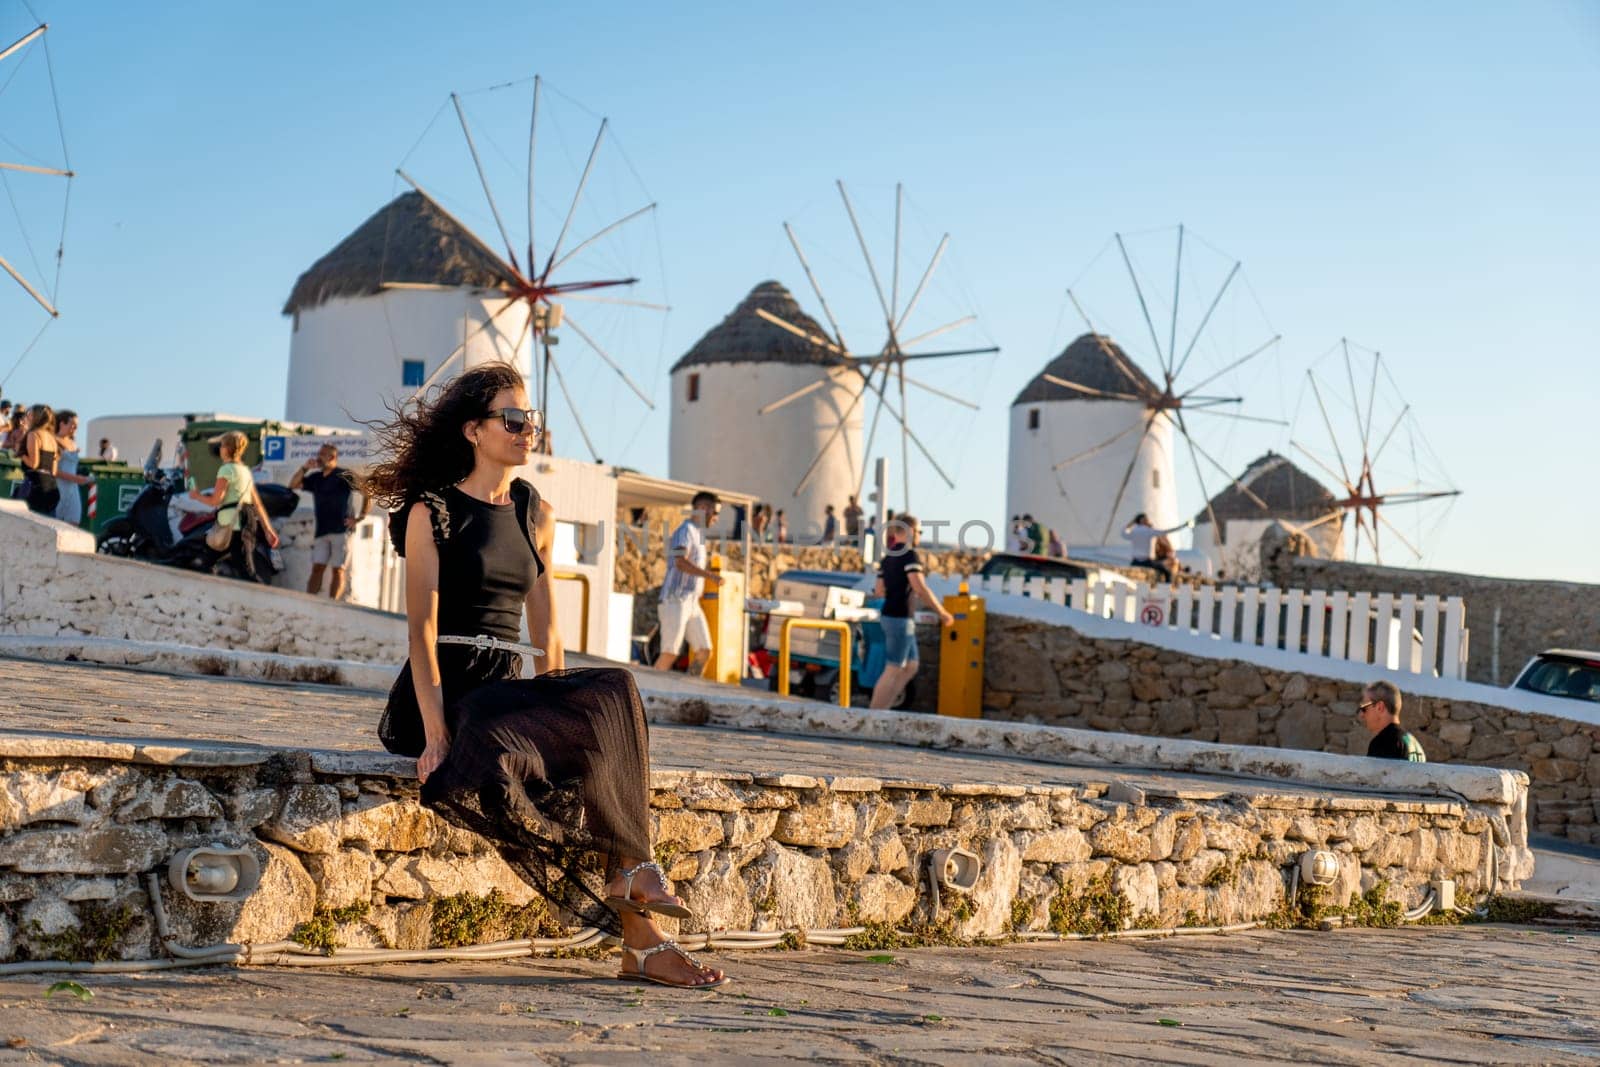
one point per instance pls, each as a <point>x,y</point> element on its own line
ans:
<point>215,873</point>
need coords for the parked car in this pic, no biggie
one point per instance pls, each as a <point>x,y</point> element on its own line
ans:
<point>1562,672</point>
<point>1009,565</point>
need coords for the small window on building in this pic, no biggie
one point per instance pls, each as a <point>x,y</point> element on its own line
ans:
<point>694,388</point>
<point>412,373</point>
<point>1155,478</point>
<point>1033,418</point>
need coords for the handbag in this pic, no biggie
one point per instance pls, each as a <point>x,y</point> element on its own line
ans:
<point>219,537</point>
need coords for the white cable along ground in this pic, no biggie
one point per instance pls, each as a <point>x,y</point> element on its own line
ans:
<point>294,954</point>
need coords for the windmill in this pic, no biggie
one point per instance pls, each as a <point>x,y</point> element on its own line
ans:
<point>882,374</point>
<point>539,275</point>
<point>33,174</point>
<point>1157,405</point>
<point>1390,463</point>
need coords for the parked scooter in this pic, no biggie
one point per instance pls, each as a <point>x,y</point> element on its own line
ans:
<point>165,526</point>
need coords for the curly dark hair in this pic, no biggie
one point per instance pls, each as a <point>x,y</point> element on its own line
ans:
<point>424,448</point>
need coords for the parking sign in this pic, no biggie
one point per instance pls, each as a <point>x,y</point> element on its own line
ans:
<point>274,447</point>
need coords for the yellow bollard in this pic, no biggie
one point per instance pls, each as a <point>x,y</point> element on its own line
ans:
<point>724,608</point>
<point>841,628</point>
<point>583,612</point>
<point>961,657</point>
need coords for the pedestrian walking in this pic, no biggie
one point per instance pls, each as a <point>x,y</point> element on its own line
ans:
<point>333,491</point>
<point>70,508</point>
<point>682,617</point>
<point>830,526</point>
<point>1379,712</point>
<point>554,770</point>
<point>852,521</point>
<point>900,579</point>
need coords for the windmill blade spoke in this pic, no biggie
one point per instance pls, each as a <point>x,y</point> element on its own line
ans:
<point>1329,517</point>
<point>510,303</point>
<point>483,179</point>
<point>805,265</point>
<point>512,274</point>
<point>1355,398</point>
<point>1372,395</point>
<point>1143,307</point>
<point>926,388</point>
<point>561,382</point>
<point>1177,282</point>
<point>1235,415</point>
<point>1415,551</point>
<point>613,364</point>
<point>29,289</point>
<point>1053,380</point>
<point>1327,422</point>
<point>861,239</point>
<point>1233,481</point>
<point>577,195</point>
<point>989,350</point>
<point>1247,357</point>
<point>894,285</point>
<point>908,433</point>
<point>533,141</point>
<point>1200,476</point>
<point>1134,379</point>
<point>946,328</point>
<point>916,294</point>
<point>801,332</point>
<point>28,169</point>
<point>1201,329</point>
<point>1122,488</point>
<point>1385,443</point>
<point>591,298</point>
<point>592,238</point>
<point>872,433</point>
<point>1418,498</point>
<point>1313,457</point>
<point>23,41</point>
<point>804,390</point>
<point>1078,457</point>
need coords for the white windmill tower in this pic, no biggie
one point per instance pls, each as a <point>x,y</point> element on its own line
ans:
<point>372,318</point>
<point>1101,435</point>
<point>1084,406</point>
<point>719,436</point>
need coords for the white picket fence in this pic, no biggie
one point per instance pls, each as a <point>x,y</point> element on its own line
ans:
<point>1417,635</point>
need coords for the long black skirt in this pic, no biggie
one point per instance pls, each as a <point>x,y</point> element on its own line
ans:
<point>554,770</point>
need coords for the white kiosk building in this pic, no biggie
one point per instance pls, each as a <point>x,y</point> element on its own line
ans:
<point>379,313</point>
<point>718,436</point>
<point>1101,438</point>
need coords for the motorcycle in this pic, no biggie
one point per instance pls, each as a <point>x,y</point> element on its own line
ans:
<point>167,526</point>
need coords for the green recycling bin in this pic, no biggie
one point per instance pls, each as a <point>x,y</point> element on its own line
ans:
<point>116,486</point>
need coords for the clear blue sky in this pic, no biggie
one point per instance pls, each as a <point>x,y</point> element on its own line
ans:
<point>1420,179</point>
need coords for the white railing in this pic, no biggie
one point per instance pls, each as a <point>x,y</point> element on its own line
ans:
<point>1416,635</point>
<point>392,580</point>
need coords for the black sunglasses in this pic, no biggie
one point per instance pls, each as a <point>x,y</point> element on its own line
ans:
<point>1369,704</point>
<point>519,421</point>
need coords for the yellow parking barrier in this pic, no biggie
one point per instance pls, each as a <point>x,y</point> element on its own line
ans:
<point>583,612</point>
<point>841,628</point>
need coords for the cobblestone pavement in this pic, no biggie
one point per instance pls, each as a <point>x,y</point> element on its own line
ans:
<point>1468,995</point>
<point>111,702</point>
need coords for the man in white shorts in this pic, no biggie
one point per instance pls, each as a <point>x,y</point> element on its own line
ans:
<point>682,618</point>
<point>332,490</point>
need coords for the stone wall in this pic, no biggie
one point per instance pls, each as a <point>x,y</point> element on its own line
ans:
<point>1534,614</point>
<point>52,583</point>
<point>350,857</point>
<point>1056,675</point>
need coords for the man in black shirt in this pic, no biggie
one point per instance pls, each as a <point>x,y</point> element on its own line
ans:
<point>1380,714</point>
<point>899,576</point>
<point>331,491</point>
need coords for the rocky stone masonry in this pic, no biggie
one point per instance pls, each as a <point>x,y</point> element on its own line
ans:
<point>1056,676</point>
<point>1534,615</point>
<point>344,831</point>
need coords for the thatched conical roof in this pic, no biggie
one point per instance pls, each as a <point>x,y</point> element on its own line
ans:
<point>1085,362</point>
<point>408,240</point>
<point>745,337</point>
<point>1288,492</point>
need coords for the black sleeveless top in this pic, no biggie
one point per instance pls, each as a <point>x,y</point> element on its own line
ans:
<point>487,565</point>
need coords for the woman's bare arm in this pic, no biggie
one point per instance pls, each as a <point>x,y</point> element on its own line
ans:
<point>541,602</point>
<point>212,497</point>
<point>422,633</point>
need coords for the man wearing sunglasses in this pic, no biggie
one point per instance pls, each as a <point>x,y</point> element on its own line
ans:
<point>1379,712</point>
<point>682,618</point>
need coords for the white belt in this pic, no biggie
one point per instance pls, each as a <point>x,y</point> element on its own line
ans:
<point>494,644</point>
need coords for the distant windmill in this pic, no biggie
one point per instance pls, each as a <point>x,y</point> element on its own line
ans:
<point>31,51</point>
<point>1382,431</point>
<point>541,279</point>
<point>1159,403</point>
<point>883,374</point>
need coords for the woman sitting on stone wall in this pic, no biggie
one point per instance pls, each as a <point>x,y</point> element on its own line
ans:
<point>554,769</point>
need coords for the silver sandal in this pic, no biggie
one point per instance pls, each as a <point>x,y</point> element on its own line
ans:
<point>640,907</point>
<point>641,954</point>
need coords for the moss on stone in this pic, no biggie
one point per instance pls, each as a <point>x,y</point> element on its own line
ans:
<point>1097,910</point>
<point>471,919</point>
<point>1021,914</point>
<point>97,937</point>
<point>321,931</point>
<point>1503,909</point>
